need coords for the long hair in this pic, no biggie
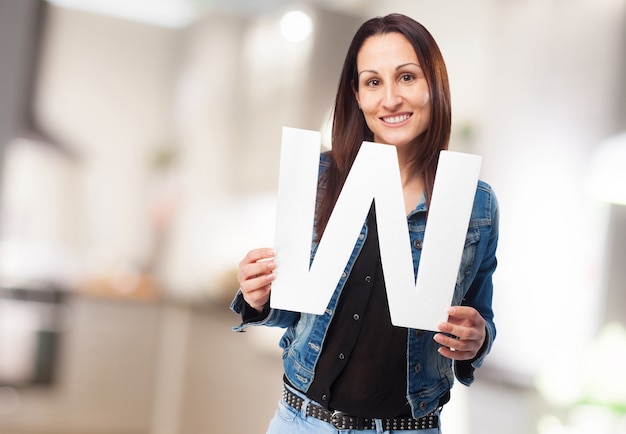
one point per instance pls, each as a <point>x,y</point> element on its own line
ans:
<point>349,128</point>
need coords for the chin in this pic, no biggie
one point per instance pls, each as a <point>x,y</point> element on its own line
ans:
<point>397,142</point>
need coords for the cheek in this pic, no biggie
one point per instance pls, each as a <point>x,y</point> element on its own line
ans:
<point>366,104</point>
<point>368,109</point>
<point>426,99</point>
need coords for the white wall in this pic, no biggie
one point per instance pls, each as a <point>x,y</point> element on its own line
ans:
<point>105,90</point>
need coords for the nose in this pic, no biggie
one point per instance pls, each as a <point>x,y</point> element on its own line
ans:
<point>392,98</point>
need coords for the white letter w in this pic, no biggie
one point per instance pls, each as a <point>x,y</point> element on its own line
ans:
<point>375,175</point>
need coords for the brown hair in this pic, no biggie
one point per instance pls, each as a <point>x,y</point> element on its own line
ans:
<point>349,129</point>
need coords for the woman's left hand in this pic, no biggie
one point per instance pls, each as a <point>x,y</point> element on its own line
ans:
<point>467,330</point>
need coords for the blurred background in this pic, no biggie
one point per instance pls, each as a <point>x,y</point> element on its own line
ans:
<point>139,145</point>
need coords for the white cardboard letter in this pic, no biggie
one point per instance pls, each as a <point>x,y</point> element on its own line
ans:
<point>374,175</point>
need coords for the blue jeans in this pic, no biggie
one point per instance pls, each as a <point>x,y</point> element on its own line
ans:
<point>288,420</point>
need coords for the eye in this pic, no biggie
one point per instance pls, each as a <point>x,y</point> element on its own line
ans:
<point>407,78</point>
<point>372,82</point>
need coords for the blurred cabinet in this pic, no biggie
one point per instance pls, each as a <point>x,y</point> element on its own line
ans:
<point>104,376</point>
<point>30,322</point>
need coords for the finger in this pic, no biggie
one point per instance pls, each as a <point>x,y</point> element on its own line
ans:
<point>453,354</point>
<point>258,281</point>
<point>462,332</point>
<point>255,270</point>
<point>464,322</point>
<point>258,255</point>
<point>454,343</point>
<point>456,349</point>
<point>256,262</point>
<point>460,314</point>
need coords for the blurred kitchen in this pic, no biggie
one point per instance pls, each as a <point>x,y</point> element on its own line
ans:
<point>139,144</point>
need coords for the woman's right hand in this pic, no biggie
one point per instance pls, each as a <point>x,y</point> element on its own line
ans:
<point>256,273</point>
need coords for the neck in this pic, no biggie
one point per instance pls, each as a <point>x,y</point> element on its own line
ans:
<point>410,177</point>
<point>412,186</point>
<point>408,174</point>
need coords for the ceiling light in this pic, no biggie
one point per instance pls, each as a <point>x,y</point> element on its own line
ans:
<point>296,26</point>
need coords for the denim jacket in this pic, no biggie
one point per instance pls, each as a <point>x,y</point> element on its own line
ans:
<point>429,375</point>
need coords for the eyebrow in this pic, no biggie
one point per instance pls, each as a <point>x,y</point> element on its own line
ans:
<point>397,68</point>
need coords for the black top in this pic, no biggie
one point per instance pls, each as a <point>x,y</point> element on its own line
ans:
<point>362,368</point>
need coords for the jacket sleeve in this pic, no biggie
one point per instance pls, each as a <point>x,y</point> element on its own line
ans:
<point>480,295</point>
<point>269,317</point>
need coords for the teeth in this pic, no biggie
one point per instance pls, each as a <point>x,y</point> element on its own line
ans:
<point>396,119</point>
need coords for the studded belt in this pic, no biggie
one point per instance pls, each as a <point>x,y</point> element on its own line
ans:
<point>342,420</point>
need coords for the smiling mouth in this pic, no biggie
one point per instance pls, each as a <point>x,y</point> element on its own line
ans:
<point>396,119</point>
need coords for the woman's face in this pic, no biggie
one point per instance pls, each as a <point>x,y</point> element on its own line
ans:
<point>392,90</point>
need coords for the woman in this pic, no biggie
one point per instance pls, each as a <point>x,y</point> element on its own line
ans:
<point>351,369</point>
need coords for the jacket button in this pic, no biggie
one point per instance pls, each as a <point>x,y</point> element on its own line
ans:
<point>324,397</point>
<point>342,356</point>
<point>417,244</point>
<point>418,368</point>
<point>356,316</point>
<point>368,279</point>
<point>423,405</point>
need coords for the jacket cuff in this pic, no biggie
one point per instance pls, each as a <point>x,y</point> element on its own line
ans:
<point>464,369</point>
<point>248,313</point>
